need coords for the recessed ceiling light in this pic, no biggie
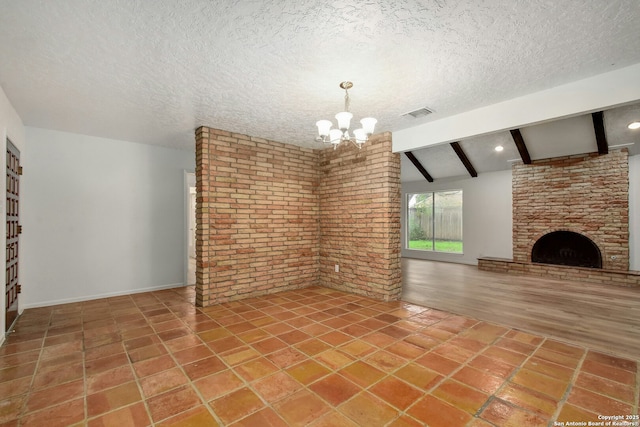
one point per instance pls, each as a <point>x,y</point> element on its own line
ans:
<point>634,125</point>
<point>499,148</point>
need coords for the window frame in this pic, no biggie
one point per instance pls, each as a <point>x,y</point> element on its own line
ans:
<point>433,221</point>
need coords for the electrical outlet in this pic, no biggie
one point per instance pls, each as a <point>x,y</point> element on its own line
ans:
<point>337,268</point>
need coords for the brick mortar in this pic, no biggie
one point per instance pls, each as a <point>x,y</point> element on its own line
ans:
<point>587,194</point>
<point>360,219</point>
<point>257,217</point>
<point>578,274</point>
<point>274,217</point>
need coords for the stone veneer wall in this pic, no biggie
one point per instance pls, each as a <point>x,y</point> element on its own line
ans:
<point>359,195</point>
<point>587,194</point>
<point>257,216</point>
<point>561,272</point>
<point>272,217</point>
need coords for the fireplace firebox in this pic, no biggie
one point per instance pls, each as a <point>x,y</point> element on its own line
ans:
<point>566,248</point>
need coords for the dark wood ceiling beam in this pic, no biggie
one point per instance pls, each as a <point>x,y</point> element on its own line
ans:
<point>521,146</point>
<point>601,137</point>
<point>464,159</point>
<point>418,166</point>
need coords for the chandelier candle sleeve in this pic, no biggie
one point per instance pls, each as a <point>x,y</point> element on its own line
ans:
<point>368,124</point>
<point>360,136</point>
<point>336,136</point>
<point>324,126</point>
<point>344,120</point>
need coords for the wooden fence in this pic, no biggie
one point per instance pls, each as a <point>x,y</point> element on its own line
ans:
<point>448,223</point>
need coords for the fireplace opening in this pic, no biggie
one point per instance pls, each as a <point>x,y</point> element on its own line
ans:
<point>566,248</point>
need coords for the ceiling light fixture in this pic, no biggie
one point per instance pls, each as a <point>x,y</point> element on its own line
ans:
<point>634,125</point>
<point>499,148</point>
<point>341,134</point>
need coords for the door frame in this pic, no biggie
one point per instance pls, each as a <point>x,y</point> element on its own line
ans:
<point>9,146</point>
<point>189,181</point>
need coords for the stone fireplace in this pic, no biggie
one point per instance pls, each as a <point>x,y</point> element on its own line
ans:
<point>571,219</point>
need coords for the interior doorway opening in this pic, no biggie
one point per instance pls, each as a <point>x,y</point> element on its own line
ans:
<point>190,231</point>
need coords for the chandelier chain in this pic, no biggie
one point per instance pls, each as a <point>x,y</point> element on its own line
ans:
<point>347,101</point>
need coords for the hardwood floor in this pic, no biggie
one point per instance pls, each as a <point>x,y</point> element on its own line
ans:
<point>602,317</point>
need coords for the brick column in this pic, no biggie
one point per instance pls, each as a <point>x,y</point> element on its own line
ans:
<point>360,219</point>
<point>257,216</point>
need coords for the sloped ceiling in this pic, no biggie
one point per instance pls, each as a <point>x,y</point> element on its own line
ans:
<point>152,71</point>
<point>563,137</point>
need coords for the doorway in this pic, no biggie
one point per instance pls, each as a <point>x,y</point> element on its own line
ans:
<point>12,287</point>
<point>190,232</point>
<point>191,271</point>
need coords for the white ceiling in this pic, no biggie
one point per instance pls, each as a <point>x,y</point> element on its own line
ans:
<point>151,71</point>
<point>563,137</point>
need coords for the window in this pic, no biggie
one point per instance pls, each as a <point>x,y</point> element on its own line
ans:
<point>434,221</point>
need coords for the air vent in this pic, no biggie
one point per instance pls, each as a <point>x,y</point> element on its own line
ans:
<point>420,112</point>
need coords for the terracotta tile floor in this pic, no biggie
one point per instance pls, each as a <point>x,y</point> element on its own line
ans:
<point>312,357</point>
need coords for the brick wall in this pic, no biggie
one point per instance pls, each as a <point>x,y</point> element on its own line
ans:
<point>587,194</point>
<point>272,217</point>
<point>257,216</point>
<point>359,195</point>
<point>561,272</point>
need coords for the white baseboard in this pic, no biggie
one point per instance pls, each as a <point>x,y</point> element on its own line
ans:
<point>99,296</point>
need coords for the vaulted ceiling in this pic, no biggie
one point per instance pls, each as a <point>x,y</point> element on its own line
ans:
<point>151,71</point>
<point>556,138</point>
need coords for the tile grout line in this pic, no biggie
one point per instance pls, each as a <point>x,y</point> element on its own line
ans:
<point>29,392</point>
<point>492,396</point>
<point>567,393</point>
<point>145,400</point>
<point>190,381</point>
<point>514,373</point>
<point>249,382</point>
<point>246,383</point>
<point>426,392</point>
<point>332,370</point>
<point>367,389</point>
<point>129,364</point>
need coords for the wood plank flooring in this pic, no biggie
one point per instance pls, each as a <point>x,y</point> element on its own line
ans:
<point>601,317</point>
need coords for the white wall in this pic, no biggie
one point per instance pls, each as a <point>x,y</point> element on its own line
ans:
<point>595,93</point>
<point>634,213</point>
<point>486,216</point>
<point>10,127</point>
<point>101,217</point>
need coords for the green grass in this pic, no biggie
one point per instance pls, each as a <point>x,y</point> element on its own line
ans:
<point>441,246</point>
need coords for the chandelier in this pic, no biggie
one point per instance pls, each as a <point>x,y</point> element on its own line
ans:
<point>341,134</point>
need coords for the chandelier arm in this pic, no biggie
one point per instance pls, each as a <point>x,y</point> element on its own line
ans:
<point>357,144</point>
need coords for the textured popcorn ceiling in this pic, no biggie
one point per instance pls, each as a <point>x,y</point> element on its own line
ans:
<point>151,71</point>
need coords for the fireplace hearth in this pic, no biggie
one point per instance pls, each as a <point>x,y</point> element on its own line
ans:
<point>566,248</point>
<point>586,194</point>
